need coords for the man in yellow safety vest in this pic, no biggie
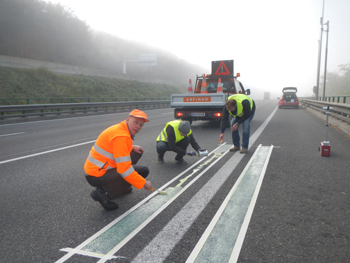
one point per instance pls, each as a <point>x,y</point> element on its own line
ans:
<point>176,136</point>
<point>242,108</point>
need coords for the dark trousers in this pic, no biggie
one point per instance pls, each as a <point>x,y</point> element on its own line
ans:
<point>112,182</point>
<point>163,147</point>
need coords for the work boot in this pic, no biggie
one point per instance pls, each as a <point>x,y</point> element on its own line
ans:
<point>160,159</point>
<point>234,149</point>
<point>244,150</point>
<point>104,200</point>
<point>100,190</point>
<point>180,160</point>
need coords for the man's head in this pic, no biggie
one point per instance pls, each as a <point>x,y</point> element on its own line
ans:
<point>136,121</point>
<point>184,128</point>
<point>231,105</point>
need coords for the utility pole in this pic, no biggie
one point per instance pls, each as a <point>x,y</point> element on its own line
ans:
<point>319,55</point>
<point>325,64</point>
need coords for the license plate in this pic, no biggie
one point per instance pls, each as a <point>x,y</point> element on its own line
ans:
<point>198,114</point>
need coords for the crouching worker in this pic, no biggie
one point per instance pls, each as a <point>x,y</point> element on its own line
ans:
<point>111,165</point>
<point>176,136</point>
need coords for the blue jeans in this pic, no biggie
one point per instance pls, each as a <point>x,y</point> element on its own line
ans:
<point>245,133</point>
<point>163,147</point>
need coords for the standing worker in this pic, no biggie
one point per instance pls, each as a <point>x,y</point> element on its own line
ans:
<point>243,108</point>
<point>111,165</point>
<point>176,136</point>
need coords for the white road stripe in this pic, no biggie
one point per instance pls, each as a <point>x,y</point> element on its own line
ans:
<point>41,153</point>
<point>161,246</point>
<point>229,234</point>
<point>10,134</point>
<point>127,213</point>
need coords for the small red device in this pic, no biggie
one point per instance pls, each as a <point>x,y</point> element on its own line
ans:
<point>325,148</point>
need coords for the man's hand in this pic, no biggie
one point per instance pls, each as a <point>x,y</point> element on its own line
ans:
<point>148,186</point>
<point>235,126</point>
<point>221,137</point>
<point>137,149</point>
<point>191,153</point>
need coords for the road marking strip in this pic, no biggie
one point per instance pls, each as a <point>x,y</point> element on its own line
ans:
<point>11,134</point>
<point>86,253</point>
<point>41,153</point>
<point>126,238</point>
<point>161,246</point>
<point>228,227</point>
<point>170,239</point>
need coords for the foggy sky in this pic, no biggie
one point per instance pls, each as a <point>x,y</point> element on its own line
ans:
<point>274,43</point>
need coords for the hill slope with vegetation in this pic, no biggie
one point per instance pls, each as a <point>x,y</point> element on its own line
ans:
<point>40,30</point>
<point>41,83</point>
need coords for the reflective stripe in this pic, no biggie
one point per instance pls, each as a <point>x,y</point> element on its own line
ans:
<point>103,152</point>
<point>98,163</point>
<point>95,162</point>
<point>122,159</point>
<point>128,172</point>
<point>165,136</point>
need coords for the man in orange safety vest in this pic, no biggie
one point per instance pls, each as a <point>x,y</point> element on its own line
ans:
<point>111,165</point>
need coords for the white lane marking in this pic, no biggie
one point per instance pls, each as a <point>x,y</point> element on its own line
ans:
<point>120,218</point>
<point>63,148</point>
<point>41,153</point>
<point>244,228</point>
<point>229,234</point>
<point>86,253</point>
<point>173,198</point>
<point>11,134</point>
<point>161,246</point>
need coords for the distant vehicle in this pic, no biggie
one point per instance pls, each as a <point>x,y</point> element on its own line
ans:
<point>289,98</point>
<point>266,95</point>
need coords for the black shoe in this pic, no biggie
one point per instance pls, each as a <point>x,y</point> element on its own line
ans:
<point>160,159</point>
<point>100,190</point>
<point>104,200</point>
<point>180,160</point>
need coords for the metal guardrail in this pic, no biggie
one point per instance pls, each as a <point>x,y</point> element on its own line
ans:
<point>337,99</point>
<point>17,113</point>
<point>22,101</point>
<point>340,111</point>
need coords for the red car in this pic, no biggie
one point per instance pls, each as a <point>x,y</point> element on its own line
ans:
<point>289,98</point>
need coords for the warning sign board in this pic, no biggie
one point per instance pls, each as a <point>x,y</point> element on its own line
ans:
<point>222,67</point>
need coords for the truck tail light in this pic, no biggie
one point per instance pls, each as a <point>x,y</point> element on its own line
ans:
<point>217,114</point>
<point>179,114</point>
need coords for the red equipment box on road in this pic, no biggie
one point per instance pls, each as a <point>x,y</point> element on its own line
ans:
<point>325,149</point>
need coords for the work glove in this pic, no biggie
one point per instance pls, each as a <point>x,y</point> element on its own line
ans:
<point>191,153</point>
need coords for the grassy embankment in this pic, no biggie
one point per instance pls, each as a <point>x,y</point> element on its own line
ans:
<point>41,83</point>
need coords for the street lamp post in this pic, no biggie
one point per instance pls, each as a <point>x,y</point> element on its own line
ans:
<point>325,64</point>
<point>319,55</point>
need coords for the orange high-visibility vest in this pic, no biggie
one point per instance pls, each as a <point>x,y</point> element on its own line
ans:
<point>112,151</point>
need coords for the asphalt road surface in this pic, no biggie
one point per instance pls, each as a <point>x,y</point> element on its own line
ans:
<point>280,202</point>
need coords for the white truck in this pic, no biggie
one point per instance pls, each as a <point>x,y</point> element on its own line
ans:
<point>210,94</point>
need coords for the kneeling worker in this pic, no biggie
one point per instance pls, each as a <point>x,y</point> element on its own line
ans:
<point>176,136</point>
<point>111,165</point>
